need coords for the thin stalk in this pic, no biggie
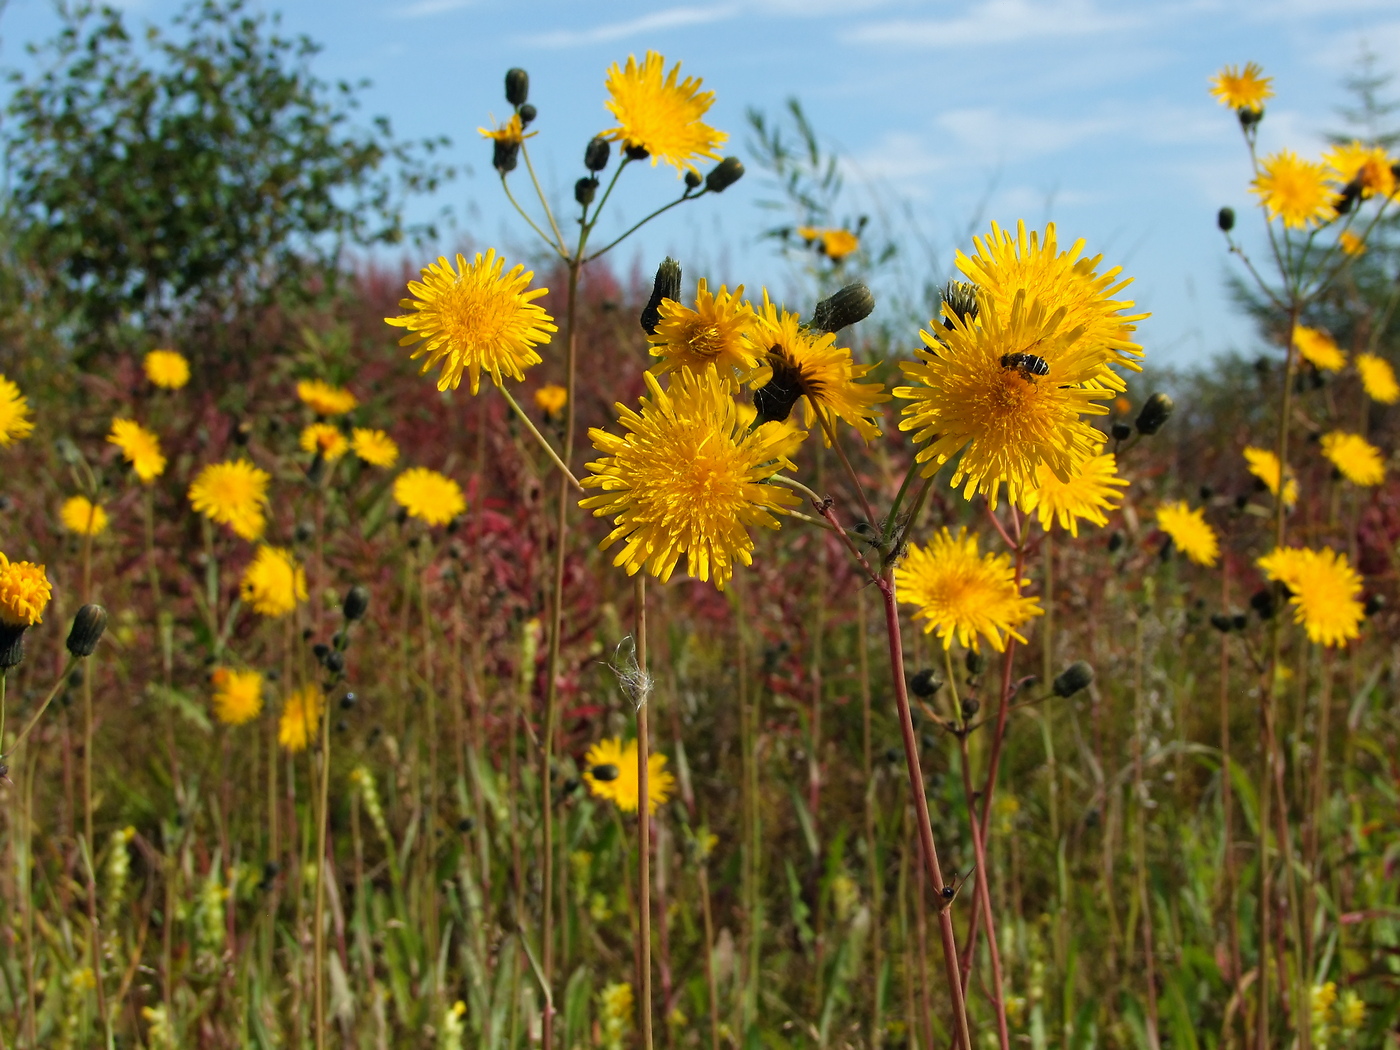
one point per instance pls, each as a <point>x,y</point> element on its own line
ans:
<point>553,245</point>
<point>1140,843</point>
<point>1227,792</point>
<point>642,222</point>
<point>544,201</point>
<point>872,859</point>
<point>709,952</point>
<point>322,830</point>
<point>833,440</point>
<point>643,812</point>
<point>95,932</point>
<point>555,458</point>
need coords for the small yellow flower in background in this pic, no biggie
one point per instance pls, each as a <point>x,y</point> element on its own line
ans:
<point>140,447</point>
<point>1301,192</point>
<point>475,321</point>
<point>963,595</point>
<point>1368,166</point>
<point>808,233</point>
<point>237,695</point>
<point>1377,378</point>
<point>837,244</point>
<point>1326,591</point>
<point>1359,461</point>
<point>324,399</point>
<point>551,399</point>
<point>301,717</point>
<point>82,516</point>
<point>375,447</point>
<point>430,497</point>
<point>623,790</point>
<point>1190,532</point>
<point>659,115</point>
<point>273,582</point>
<point>14,414</point>
<point>1351,1011</point>
<point>326,439</point>
<point>1087,494</point>
<point>1351,243</point>
<point>1318,348</point>
<point>511,132</point>
<point>615,1008</point>
<point>232,493</point>
<point>161,1033</point>
<point>717,332</point>
<point>167,369</point>
<point>24,591</point>
<point>1245,88</point>
<point>1263,464</point>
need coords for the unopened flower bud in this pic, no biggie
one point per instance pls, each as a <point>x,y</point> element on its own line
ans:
<point>596,153</point>
<point>666,286</point>
<point>335,662</point>
<point>1222,623</point>
<point>1264,603</point>
<point>1225,219</point>
<point>925,683</point>
<point>605,772</point>
<point>960,297</point>
<point>1374,604</point>
<point>1120,431</point>
<point>11,644</point>
<point>725,174</point>
<point>1239,621</point>
<point>693,180</point>
<point>970,706</point>
<point>584,190</point>
<point>975,662</point>
<point>636,153</point>
<point>517,86</point>
<point>356,602</point>
<point>505,156</point>
<point>88,626</point>
<point>527,114</point>
<point>1115,542</point>
<point>1249,117</point>
<point>851,304</point>
<point>775,398</point>
<point>1154,414</point>
<point>1073,678</point>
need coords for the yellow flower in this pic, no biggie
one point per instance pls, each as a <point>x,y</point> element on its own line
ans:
<point>430,497</point>
<point>1317,347</point>
<point>1359,461</point>
<point>689,478</point>
<point>474,321</point>
<point>374,447</point>
<point>616,1005</point>
<point>1088,493</point>
<point>623,789</point>
<point>326,439</point>
<point>551,399</point>
<point>14,414</point>
<point>1190,532</point>
<point>1369,166</point>
<point>808,233</point>
<point>1263,464</point>
<point>324,399</point>
<point>1351,243</point>
<point>140,447</point>
<point>1242,88</point>
<point>232,493</point>
<point>237,695</point>
<point>82,516</point>
<point>1325,591</point>
<point>301,717</point>
<point>24,591</point>
<point>273,582</point>
<point>659,115</point>
<point>1299,191</point>
<point>1351,1012</point>
<point>719,332</point>
<point>167,369</point>
<point>837,244</point>
<point>512,132</point>
<point>1377,378</point>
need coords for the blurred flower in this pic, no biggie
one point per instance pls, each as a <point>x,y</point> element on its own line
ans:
<point>1351,243</point>
<point>512,132</point>
<point>161,1033</point>
<point>1263,464</point>
<point>1298,191</point>
<point>167,369</point>
<point>837,244</point>
<point>1369,166</point>
<point>688,478</point>
<point>232,493</point>
<point>659,115</point>
<point>551,399</point>
<point>1088,493</point>
<point>615,1006</point>
<point>24,591</point>
<point>374,447</point>
<point>1190,532</point>
<point>474,321</point>
<point>1325,591</point>
<point>1351,1011</point>
<point>623,790</point>
<point>273,582</point>
<point>1317,347</point>
<point>1242,88</point>
<point>961,594</point>
<point>237,695</point>
<point>717,332</point>
<point>430,497</point>
<point>324,399</point>
<point>1377,378</point>
<point>326,439</point>
<point>301,716</point>
<point>15,422</point>
<point>1359,461</point>
<point>452,1030</point>
<point>140,447</point>
<point>82,516</point>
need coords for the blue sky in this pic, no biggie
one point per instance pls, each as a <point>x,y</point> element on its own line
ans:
<point>1090,113</point>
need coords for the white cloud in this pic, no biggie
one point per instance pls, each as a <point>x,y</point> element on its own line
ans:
<point>1000,22</point>
<point>671,18</point>
<point>984,134</point>
<point>428,8</point>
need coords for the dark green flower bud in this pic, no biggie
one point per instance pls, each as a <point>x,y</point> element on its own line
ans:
<point>1120,431</point>
<point>1264,602</point>
<point>1374,604</point>
<point>1115,542</point>
<point>725,174</point>
<point>1239,621</point>
<point>356,602</point>
<point>666,286</point>
<point>1154,414</point>
<point>970,707</point>
<point>775,398</point>
<point>1249,117</point>
<point>975,662</point>
<point>925,683</point>
<point>605,772</point>
<point>88,626</point>
<point>11,645</point>
<point>1225,219</point>
<point>584,190</point>
<point>693,180</point>
<point>851,304</point>
<point>527,114</point>
<point>517,86</point>
<point>506,156</point>
<point>1073,678</point>
<point>596,153</point>
<point>1222,623</point>
<point>961,299</point>
<point>636,153</point>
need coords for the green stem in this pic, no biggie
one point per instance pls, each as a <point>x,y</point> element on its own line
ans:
<point>643,811</point>
<point>544,202</point>
<point>568,475</point>
<point>642,222</point>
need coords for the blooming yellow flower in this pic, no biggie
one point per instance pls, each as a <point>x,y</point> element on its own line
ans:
<point>1351,1011</point>
<point>1325,590</point>
<point>237,695</point>
<point>512,132</point>
<point>375,447</point>
<point>961,594</point>
<point>301,717</point>
<point>1369,166</point>
<point>140,447</point>
<point>623,790</point>
<point>24,591</point>
<point>1263,464</point>
<point>1351,243</point>
<point>326,439</point>
<point>1190,532</point>
<point>1298,191</point>
<point>808,233</point>
<point>1377,378</point>
<point>551,399</point>
<point>430,497</point>
<point>1317,347</point>
<point>14,414</point>
<point>232,493</point>
<point>82,516</point>
<point>615,1009</point>
<point>167,369</point>
<point>659,115</point>
<point>837,244</point>
<point>1087,494</point>
<point>273,582</point>
<point>719,332</point>
<point>1359,461</point>
<point>324,399</point>
<point>474,321</point>
<point>689,478</point>
<point>1242,88</point>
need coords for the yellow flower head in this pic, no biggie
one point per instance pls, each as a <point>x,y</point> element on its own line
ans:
<point>808,233</point>
<point>616,1005</point>
<point>475,321</point>
<point>1369,166</point>
<point>1359,461</point>
<point>1190,532</point>
<point>961,594</point>
<point>1263,464</point>
<point>1326,591</point>
<point>512,132</point>
<point>688,478</point>
<point>326,439</point>
<point>1378,378</point>
<point>1088,494</point>
<point>237,695</point>
<point>623,790</point>
<point>15,422</point>
<point>82,516</point>
<point>659,115</point>
<point>551,399</point>
<point>1242,88</point>
<point>273,582</point>
<point>432,498</point>
<point>1299,191</point>
<point>837,244</point>
<point>324,399</point>
<point>140,447</point>
<point>232,493</point>
<point>301,717</point>
<point>24,591</point>
<point>167,369</point>
<point>717,332</point>
<point>1351,1011</point>
<point>374,447</point>
<point>1317,347</point>
<point>1351,243</point>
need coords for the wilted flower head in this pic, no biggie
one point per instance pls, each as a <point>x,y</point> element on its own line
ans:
<point>273,582</point>
<point>661,114</point>
<point>233,493</point>
<point>167,369</point>
<point>140,447</point>
<point>15,422</point>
